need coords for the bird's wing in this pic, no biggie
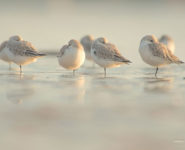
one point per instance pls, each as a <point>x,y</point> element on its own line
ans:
<point>174,58</point>
<point>23,48</point>
<point>161,50</point>
<point>62,51</point>
<point>109,51</point>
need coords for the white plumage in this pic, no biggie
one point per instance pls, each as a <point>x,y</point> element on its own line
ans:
<point>71,56</point>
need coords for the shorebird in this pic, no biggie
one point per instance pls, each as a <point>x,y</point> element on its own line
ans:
<point>71,56</point>
<point>87,41</point>
<point>21,52</point>
<point>106,54</point>
<point>155,53</point>
<point>169,42</point>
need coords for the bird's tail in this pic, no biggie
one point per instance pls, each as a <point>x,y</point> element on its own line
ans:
<point>179,62</point>
<point>122,59</point>
<point>40,54</point>
<point>127,61</point>
<point>173,58</point>
<point>33,53</point>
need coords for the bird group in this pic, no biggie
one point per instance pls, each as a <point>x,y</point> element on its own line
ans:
<point>153,51</point>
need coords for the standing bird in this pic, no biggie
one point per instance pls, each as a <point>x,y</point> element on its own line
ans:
<point>106,54</point>
<point>87,41</point>
<point>155,53</point>
<point>169,42</point>
<point>71,56</point>
<point>3,56</point>
<point>21,52</point>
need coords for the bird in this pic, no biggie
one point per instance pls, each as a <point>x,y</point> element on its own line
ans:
<point>71,56</point>
<point>21,52</point>
<point>169,42</point>
<point>155,53</point>
<point>106,54</point>
<point>3,56</point>
<point>87,41</point>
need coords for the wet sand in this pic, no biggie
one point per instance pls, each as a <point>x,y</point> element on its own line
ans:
<point>52,109</point>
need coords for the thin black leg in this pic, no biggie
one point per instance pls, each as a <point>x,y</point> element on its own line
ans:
<point>73,72</point>
<point>104,72</point>
<point>20,69</point>
<point>156,72</point>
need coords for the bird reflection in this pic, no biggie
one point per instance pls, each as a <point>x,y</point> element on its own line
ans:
<point>159,85</point>
<point>73,88</point>
<point>21,89</point>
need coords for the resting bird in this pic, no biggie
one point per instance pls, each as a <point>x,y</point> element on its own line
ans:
<point>71,56</point>
<point>87,41</point>
<point>155,53</point>
<point>106,54</point>
<point>21,52</point>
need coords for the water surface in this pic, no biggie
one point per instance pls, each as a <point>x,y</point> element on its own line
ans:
<point>48,108</point>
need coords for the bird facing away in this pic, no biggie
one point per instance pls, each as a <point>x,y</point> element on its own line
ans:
<point>106,54</point>
<point>3,55</point>
<point>87,41</point>
<point>21,52</point>
<point>71,56</point>
<point>169,42</point>
<point>155,53</point>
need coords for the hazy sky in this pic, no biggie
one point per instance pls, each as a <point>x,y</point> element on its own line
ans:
<point>50,24</point>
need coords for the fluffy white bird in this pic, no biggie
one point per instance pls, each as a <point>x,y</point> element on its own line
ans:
<point>106,54</point>
<point>71,56</point>
<point>21,52</point>
<point>169,42</point>
<point>155,53</point>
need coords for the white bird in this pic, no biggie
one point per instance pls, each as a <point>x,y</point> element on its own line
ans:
<point>169,42</point>
<point>106,54</point>
<point>21,52</point>
<point>155,53</point>
<point>3,56</point>
<point>71,56</point>
<point>87,41</point>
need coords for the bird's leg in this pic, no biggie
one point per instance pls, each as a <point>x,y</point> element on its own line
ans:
<point>156,72</point>
<point>104,72</point>
<point>73,72</point>
<point>20,69</point>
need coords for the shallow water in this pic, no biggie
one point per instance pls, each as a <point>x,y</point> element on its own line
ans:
<point>48,108</point>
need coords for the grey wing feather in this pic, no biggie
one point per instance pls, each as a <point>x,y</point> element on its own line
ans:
<point>161,50</point>
<point>62,51</point>
<point>24,48</point>
<point>117,55</point>
<point>32,53</point>
<point>110,52</point>
<point>174,58</point>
